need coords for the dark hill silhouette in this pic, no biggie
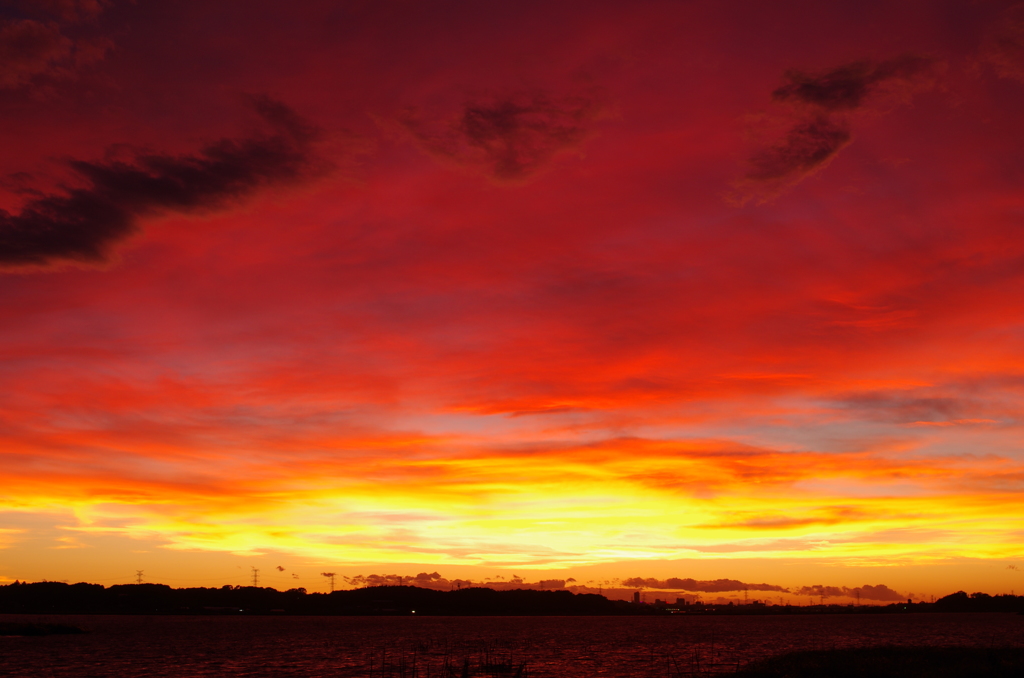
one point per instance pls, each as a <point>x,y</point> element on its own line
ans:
<point>58,597</point>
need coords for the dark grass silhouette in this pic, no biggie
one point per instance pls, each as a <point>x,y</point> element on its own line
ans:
<point>893,662</point>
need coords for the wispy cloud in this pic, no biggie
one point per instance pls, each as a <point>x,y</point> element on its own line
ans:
<point>29,48</point>
<point>806,148</point>
<point>1003,47</point>
<point>508,137</point>
<point>40,48</point>
<point>66,10</point>
<point>820,133</point>
<point>849,86</point>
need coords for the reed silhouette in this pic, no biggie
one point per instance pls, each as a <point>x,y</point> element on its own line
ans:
<point>893,662</point>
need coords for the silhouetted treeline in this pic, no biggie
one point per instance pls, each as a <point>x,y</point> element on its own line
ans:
<point>956,602</point>
<point>980,602</point>
<point>58,597</point>
<point>61,598</point>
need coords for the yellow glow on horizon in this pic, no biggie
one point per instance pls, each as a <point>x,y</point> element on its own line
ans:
<point>619,500</point>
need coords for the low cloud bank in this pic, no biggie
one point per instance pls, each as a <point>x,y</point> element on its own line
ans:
<point>710,586</point>
<point>880,592</point>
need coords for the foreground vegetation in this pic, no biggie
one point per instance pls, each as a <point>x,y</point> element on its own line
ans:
<point>893,662</point>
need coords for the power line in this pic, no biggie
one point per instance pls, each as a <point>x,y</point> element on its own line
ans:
<point>255,576</point>
<point>138,576</point>
<point>329,575</point>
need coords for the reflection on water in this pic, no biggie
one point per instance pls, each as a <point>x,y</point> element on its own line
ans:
<point>566,647</point>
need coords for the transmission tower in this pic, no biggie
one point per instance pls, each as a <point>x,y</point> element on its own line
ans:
<point>255,576</point>
<point>138,576</point>
<point>330,576</point>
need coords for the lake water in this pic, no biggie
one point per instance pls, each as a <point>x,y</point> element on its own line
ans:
<point>545,647</point>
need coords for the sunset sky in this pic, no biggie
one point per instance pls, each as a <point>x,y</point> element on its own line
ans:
<point>709,289</point>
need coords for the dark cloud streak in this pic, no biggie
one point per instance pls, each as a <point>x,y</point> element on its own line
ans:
<point>808,146</point>
<point>846,87</point>
<point>510,138</point>
<point>83,224</point>
<point>815,140</point>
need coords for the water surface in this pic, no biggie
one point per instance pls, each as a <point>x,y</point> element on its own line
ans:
<point>548,647</point>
